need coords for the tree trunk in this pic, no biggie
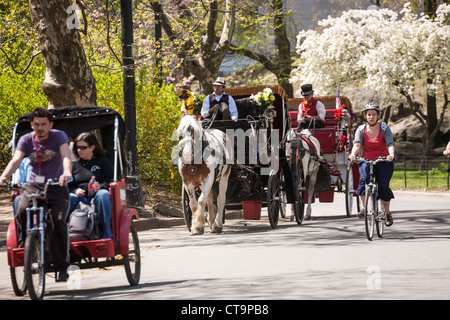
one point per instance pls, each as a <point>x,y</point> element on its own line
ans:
<point>68,78</point>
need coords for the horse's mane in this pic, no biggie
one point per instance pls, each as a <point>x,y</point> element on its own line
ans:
<point>188,122</point>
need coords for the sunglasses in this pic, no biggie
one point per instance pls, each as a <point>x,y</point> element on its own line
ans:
<point>82,147</point>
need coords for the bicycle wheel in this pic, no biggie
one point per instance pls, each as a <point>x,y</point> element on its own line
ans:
<point>380,219</point>
<point>34,268</point>
<point>370,212</point>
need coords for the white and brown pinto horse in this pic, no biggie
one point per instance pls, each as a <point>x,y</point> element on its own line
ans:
<point>202,161</point>
<point>310,161</point>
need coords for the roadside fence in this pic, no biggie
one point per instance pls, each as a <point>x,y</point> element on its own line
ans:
<point>426,171</point>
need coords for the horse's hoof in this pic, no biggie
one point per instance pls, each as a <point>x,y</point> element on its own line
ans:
<point>217,229</point>
<point>307,217</point>
<point>198,231</point>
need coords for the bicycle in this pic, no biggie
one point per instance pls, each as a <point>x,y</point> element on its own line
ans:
<point>37,249</point>
<point>372,215</point>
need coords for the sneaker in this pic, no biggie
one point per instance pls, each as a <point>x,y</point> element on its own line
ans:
<point>361,214</point>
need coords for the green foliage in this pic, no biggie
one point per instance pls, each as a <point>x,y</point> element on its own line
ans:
<point>158,114</point>
<point>19,94</point>
<point>157,117</point>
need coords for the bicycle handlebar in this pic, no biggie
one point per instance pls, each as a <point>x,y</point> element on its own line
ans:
<point>380,159</point>
<point>21,187</point>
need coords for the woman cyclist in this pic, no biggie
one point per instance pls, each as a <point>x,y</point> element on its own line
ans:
<point>376,141</point>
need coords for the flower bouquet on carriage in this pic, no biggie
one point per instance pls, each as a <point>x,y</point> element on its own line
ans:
<point>263,100</point>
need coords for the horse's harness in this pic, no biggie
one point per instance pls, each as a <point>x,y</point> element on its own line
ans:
<point>192,169</point>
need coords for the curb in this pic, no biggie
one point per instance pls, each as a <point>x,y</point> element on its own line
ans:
<point>144,224</point>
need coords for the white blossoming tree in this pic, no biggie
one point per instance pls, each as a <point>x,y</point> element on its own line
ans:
<point>382,50</point>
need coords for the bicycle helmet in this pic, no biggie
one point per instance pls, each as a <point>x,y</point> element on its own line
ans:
<point>371,106</point>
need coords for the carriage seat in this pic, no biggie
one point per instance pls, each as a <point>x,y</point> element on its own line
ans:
<point>330,121</point>
<point>325,135</point>
<point>245,108</point>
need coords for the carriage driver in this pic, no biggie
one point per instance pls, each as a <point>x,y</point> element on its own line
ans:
<point>311,112</point>
<point>224,103</point>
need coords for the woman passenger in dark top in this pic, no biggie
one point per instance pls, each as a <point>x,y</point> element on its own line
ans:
<point>92,162</point>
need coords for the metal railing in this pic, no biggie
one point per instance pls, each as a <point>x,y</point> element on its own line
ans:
<point>426,171</point>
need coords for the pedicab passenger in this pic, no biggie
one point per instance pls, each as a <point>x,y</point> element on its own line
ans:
<point>91,161</point>
<point>376,141</point>
<point>311,112</point>
<point>49,153</point>
<point>219,100</point>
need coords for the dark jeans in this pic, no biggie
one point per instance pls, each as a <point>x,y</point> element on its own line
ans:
<point>57,199</point>
<point>383,173</point>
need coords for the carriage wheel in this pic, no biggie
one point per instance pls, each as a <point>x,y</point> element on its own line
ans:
<point>350,192</point>
<point>283,197</point>
<point>299,207</point>
<point>273,199</point>
<point>187,212</point>
<point>132,260</point>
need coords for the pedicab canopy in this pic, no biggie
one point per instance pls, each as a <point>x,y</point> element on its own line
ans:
<point>74,120</point>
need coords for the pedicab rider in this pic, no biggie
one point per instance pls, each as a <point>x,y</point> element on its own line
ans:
<point>375,140</point>
<point>224,103</point>
<point>92,161</point>
<point>49,153</point>
<point>311,112</point>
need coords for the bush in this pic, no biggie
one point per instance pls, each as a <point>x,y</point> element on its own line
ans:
<point>157,116</point>
<point>19,94</point>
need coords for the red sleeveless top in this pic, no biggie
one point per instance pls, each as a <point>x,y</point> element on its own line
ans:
<point>374,148</point>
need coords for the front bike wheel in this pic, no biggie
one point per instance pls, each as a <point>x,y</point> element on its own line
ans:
<point>370,212</point>
<point>34,268</point>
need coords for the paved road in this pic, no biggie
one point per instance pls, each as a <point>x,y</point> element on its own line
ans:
<point>325,258</point>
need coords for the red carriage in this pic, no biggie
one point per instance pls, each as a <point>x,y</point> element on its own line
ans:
<point>336,140</point>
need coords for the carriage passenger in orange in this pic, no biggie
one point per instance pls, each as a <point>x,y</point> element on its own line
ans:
<point>311,112</point>
<point>376,141</point>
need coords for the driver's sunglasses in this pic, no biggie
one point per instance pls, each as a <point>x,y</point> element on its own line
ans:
<point>82,147</point>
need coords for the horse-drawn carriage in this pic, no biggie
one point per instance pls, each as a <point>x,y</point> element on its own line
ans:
<point>264,159</point>
<point>336,140</point>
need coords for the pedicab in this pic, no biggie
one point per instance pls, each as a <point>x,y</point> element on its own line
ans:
<point>121,249</point>
<point>336,141</point>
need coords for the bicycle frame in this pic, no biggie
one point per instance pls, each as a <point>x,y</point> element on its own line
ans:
<point>372,192</point>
